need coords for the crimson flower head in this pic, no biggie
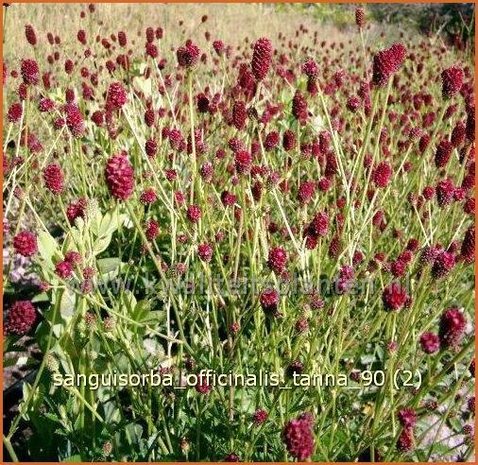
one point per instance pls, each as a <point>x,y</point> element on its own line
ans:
<point>467,251</point>
<point>452,81</point>
<point>394,297</point>
<point>310,68</point>
<point>353,103</point>
<point>30,34</point>
<point>205,252</point>
<point>53,176</point>
<point>443,153</point>
<point>69,66</point>
<point>381,174</point>
<point>260,416</point>
<point>20,318</point>
<point>261,58</point>
<point>207,171</point>
<point>269,300</point>
<point>151,147</point>
<point>319,226</point>
<point>149,34</point>
<point>299,107</point>
<point>387,62</point>
<point>298,437</point>
<point>116,97</point>
<point>148,196</point>
<point>443,264</point>
<point>81,36</point>
<point>30,71</point>
<point>46,105</point>
<point>188,55</point>
<point>243,161</point>
<point>122,39</point>
<point>193,213</point>
<point>277,260</point>
<point>406,440</point>
<point>149,117</point>
<point>25,243</point>
<point>458,134</point>
<point>470,123</point>
<point>15,112</point>
<point>218,46</point>
<point>228,198</point>
<point>119,176</point>
<point>98,118</point>
<point>306,192</point>
<point>76,210</point>
<point>288,140</point>
<point>360,17</point>
<point>151,50</point>
<point>445,191</point>
<point>271,140</point>
<point>239,115</point>
<point>407,417</point>
<point>452,327</point>
<point>74,120</point>
<point>73,257</point>
<point>429,342</point>
<point>64,269</point>
<point>201,386</point>
<point>152,230</point>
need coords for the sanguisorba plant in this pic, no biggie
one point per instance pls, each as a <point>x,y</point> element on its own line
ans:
<point>290,225</point>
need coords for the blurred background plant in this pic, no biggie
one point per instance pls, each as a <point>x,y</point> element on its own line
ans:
<point>454,22</point>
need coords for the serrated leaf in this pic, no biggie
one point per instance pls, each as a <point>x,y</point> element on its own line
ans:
<point>52,417</point>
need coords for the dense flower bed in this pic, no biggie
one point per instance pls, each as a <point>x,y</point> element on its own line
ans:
<point>294,207</point>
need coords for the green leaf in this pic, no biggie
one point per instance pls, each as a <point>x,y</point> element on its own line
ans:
<point>107,265</point>
<point>47,246</point>
<point>455,424</point>
<point>129,301</point>
<point>154,319</point>
<point>141,310</point>
<point>52,417</point>
<point>42,334</point>
<point>110,222</point>
<point>104,226</point>
<point>67,304</point>
<point>43,297</point>
<point>101,244</point>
